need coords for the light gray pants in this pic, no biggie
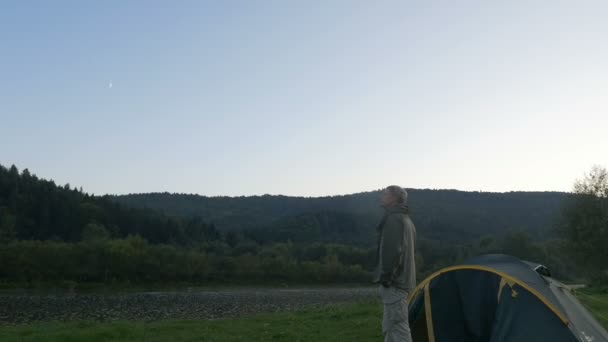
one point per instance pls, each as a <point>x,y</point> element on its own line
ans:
<point>395,325</point>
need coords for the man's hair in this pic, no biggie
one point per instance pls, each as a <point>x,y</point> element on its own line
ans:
<point>399,193</point>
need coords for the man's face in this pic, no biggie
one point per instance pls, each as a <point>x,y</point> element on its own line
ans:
<point>387,199</point>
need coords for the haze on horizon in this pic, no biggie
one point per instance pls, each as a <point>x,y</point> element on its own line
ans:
<point>304,98</point>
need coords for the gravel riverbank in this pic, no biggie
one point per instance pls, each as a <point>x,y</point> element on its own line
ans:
<point>150,306</point>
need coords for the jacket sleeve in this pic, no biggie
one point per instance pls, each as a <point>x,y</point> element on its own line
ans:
<point>392,245</point>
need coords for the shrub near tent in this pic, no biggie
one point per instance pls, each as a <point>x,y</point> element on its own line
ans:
<point>498,298</point>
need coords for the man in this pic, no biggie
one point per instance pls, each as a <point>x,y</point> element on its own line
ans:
<point>396,269</point>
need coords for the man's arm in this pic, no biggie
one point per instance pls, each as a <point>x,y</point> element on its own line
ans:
<point>391,246</point>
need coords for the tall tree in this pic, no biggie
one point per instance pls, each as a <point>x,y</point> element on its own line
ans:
<point>586,223</point>
<point>7,225</point>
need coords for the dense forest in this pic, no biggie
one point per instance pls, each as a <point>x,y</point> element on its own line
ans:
<point>37,209</point>
<point>52,233</point>
<point>58,233</point>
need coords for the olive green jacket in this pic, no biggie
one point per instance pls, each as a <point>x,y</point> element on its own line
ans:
<point>395,252</point>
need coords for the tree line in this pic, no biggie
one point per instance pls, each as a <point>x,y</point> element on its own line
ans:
<point>134,260</point>
<point>235,259</point>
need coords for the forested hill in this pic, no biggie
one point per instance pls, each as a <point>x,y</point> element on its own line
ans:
<point>50,232</point>
<point>32,208</point>
<point>438,214</point>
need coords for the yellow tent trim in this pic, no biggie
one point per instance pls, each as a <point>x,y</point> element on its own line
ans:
<point>429,314</point>
<point>425,284</point>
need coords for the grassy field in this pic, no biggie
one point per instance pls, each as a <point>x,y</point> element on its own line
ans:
<point>597,302</point>
<point>348,322</point>
<point>352,322</point>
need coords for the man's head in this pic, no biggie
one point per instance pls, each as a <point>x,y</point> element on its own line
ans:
<point>393,196</point>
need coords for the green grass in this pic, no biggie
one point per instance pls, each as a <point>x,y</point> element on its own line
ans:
<point>352,322</point>
<point>597,302</point>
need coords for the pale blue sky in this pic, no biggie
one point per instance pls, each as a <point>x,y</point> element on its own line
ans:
<point>304,97</point>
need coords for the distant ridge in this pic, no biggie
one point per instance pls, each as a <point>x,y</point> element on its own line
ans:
<point>438,214</point>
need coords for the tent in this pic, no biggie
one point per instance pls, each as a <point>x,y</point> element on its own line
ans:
<point>498,298</point>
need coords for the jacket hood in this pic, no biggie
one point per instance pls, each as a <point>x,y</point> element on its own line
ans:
<point>398,209</point>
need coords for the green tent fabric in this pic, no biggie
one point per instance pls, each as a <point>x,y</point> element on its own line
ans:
<point>498,298</point>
